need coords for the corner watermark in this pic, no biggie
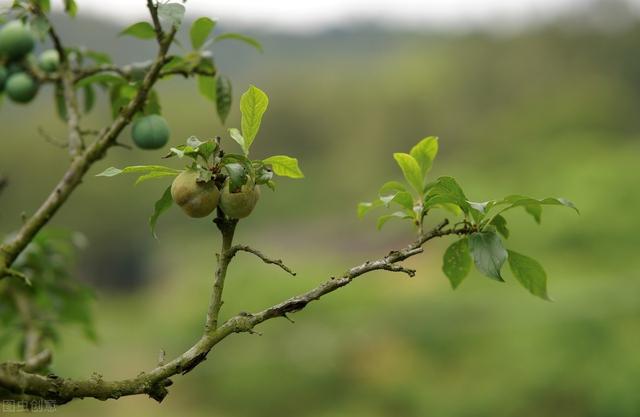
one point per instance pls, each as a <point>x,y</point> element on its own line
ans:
<point>30,406</point>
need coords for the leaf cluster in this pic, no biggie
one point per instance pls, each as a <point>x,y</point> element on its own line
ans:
<point>483,225</point>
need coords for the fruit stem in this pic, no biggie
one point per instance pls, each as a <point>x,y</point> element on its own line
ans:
<point>227,229</point>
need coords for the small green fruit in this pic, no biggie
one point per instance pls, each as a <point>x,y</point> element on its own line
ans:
<point>49,60</point>
<point>16,40</point>
<point>239,205</point>
<point>150,132</point>
<point>21,88</point>
<point>197,199</point>
<point>4,74</point>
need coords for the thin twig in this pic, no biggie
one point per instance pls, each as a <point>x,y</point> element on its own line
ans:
<point>75,140</point>
<point>153,10</point>
<point>244,248</point>
<point>126,72</point>
<point>55,142</point>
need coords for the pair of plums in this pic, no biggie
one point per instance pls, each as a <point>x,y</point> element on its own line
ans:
<point>199,199</point>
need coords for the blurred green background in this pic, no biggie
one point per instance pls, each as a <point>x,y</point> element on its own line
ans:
<point>551,110</point>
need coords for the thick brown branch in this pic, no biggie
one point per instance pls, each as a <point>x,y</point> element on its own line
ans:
<point>16,380</point>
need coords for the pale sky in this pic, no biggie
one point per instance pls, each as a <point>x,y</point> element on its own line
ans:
<point>305,15</point>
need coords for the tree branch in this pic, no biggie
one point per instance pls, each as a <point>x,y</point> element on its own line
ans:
<point>227,228</point>
<point>235,249</point>
<point>153,11</point>
<point>32,335</point>
<point>76,144</point>
<point>127,71</point>
<point>16,380</point>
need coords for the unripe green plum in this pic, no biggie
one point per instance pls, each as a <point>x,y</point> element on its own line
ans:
<point>240,204</point>
<point>197,199</point>
<point>150,132</point>
<point>49,60</point>
<point>4,74</point>
<point>16,40</point>
<point>21,88</point>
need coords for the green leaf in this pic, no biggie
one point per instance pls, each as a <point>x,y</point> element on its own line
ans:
<point>140,30</point>
<point>237,136</point>
<point>391,187</point>
<point>70,7</point>
<point>240,37</point>
<point>364,208</point>
<point>120,96</point>
<point>450,207</point>
<point>479,210</point>
<point>104,78</point>
<point>237,176</point>
<point>207,148</point>
<point>529,273</point>
<point>410,170</point>
<point>446,190</point>
<point>533,206</point>
<point>535,210</point>
<point>488,253</point>
<point>111,171</point>
<point>284,166</point>
<point>425,152</point>
<point>456,262</point>
<point>45,5</point>
<point>382,220</point>
<point>207,87</point>
<point>401,198</point>
<point>223,97</point>
<point>200,31</point>
<point>171,13</point>
<point>154,175</point>
<point>98,57</point>
<point>253,104</point>
<point>263,175</point>
<point>162,205</point>
<point>194,142</point>
<point>89,98</point>
<point>182,151</point>
<point>152,104</point>
<point>501,225</point>
<point>40,25</point>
